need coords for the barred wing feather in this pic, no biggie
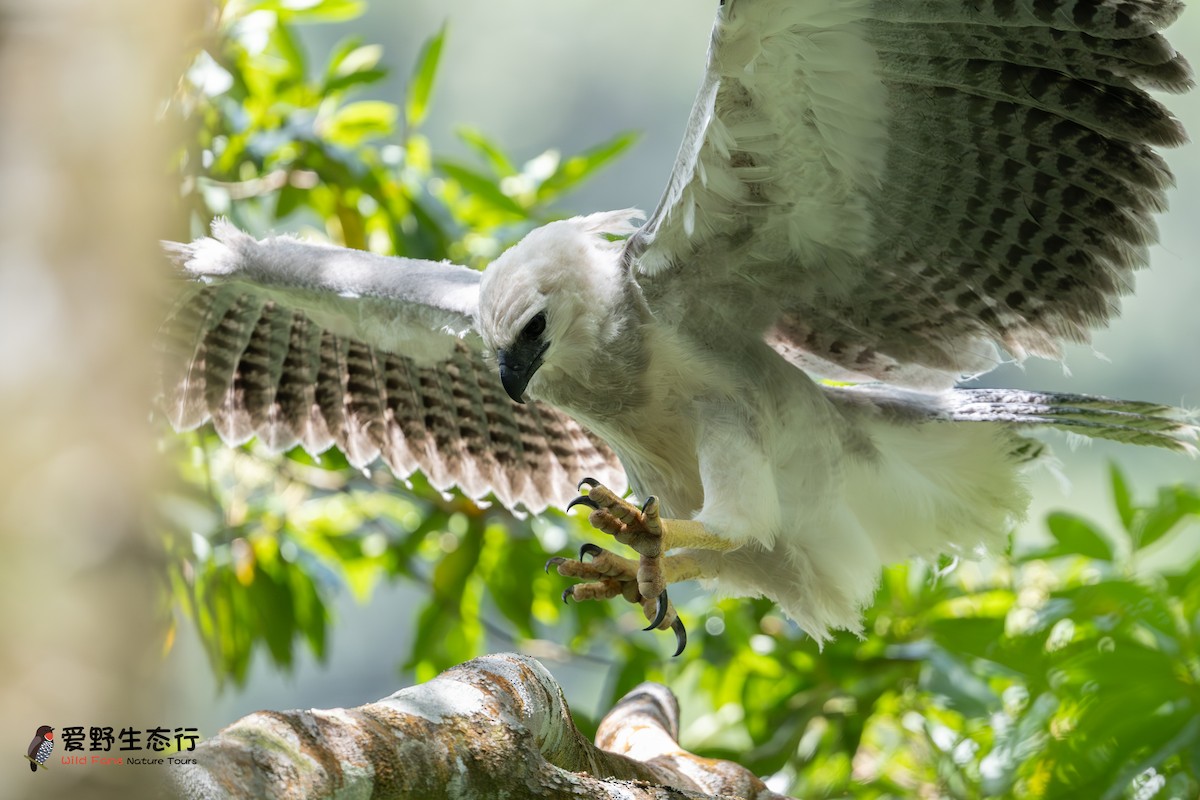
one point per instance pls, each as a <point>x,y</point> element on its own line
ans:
<point>289,346</point>
<point>890,189</point>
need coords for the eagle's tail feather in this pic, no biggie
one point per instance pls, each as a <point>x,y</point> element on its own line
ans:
<point>1128,421</point>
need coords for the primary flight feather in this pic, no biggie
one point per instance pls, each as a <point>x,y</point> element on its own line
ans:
<point>893,192</point>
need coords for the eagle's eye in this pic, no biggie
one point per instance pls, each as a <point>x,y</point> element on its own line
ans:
<point>535,327</point>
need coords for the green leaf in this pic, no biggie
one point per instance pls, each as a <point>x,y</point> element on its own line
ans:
<point>311,10</point>
<point>311,615</point>
<point>1185,734</point>
<point>514,565</point>
<point>578,168</point>
<point>420,88</point>
<point>273,615</point>
<point>481,187</point>
<point>1174,503</point>
<point>975,636</point>
<point>1116,605</point>
<point>430,239</point>
<point>340,52</point>
<point>362,77</point>
<point>1120,490</point>
<point>284,45</point>
<point>636,662</point>
<point>1179,584</point>
<point>491,153</point>
<point>445,633</point>
<point>351,124</point>
<point>947,676</point>
<point>351,55</point>
<point>1076,536</point>
<point>289,199</point>
<point>351,64</point>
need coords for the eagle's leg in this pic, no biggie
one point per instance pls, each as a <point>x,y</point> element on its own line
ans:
<point>609,575</point>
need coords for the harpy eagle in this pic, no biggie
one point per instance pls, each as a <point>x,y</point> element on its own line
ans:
<point>894,194</point>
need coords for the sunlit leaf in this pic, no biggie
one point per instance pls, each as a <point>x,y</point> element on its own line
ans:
<point>481,187</point>
<point>308,11</point>
<point>291,55</point>
<point>420,87</point>
<point>578,168</point>
<point>351,56</point>
<point>353,63</point>
<point>501,165</point>
<point>354,122</point>
<point>362,77</point>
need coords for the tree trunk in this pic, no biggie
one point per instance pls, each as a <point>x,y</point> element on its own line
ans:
<point>495,727</point>
<point>85,195</point>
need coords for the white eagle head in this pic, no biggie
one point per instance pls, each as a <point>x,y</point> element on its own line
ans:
<point>549,302</point>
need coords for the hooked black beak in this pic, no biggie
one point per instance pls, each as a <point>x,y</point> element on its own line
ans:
<point>518,364</point>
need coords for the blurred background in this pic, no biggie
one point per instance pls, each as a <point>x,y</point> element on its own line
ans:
<point>268,582</point>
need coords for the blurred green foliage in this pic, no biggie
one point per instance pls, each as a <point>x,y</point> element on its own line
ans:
<point>1066,672</point>
<point>1063,672</point>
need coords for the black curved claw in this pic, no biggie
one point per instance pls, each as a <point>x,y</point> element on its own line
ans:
<point>568,593</point>
<point>591,483</point>
<point>680,636</point>
<point>660,613</point>
<point>589,549</point>
<point>555,561</point>
<point>583,500</point>
<point>649,500</point>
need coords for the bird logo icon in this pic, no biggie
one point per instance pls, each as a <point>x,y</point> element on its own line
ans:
<point>40,748</point>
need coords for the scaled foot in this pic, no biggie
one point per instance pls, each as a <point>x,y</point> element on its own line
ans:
<point>643,582</point>
<point>607,575</point>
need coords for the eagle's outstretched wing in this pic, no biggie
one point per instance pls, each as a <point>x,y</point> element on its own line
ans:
<point>300,343</point>
<point>889,188</point>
